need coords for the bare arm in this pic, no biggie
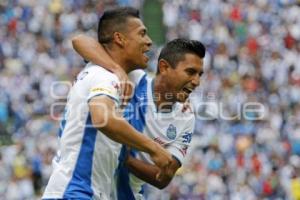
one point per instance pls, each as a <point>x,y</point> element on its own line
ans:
<point>93,51</point>
<point>178,148</point>
<point>147,172</point>
<point>104,117</point>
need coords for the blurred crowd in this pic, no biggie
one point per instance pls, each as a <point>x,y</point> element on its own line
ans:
<point>246,143</point>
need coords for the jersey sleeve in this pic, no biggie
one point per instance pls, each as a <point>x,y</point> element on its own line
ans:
<point>179,147</point>
<point>105,83</point>
<point>136,75</point>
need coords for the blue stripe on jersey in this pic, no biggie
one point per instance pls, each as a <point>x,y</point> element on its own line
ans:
<point>135,114</point>
<point>80,185</point>
<point>123,187</point>
<point>136,110</point>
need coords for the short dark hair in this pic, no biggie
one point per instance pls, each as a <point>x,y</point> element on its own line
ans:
<point>114,20</point>
<point>175,50</point>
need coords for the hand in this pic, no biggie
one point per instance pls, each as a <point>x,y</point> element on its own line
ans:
<point>162,159</point>
<point>125,84</point>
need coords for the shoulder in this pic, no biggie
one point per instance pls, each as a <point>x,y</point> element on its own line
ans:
<point>136,76</point>
<point>99,73</point>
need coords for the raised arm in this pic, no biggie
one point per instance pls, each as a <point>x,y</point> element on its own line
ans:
<point>91,50</point>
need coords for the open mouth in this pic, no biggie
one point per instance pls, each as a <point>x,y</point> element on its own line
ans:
<point>146,54</point>
<point>187,90</point>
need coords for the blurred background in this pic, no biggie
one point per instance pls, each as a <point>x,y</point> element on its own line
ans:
<point>253,55</point>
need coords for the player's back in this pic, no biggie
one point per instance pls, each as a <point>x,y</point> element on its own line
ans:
<point>86,160</point>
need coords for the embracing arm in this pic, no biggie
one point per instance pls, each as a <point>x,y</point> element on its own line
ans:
<point>147,172</point>
<point>104,118</point>
<point>93,51</point>
<point>177,148</point>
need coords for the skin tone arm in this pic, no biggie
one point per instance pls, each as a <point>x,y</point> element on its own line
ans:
<point>90,50</point>
<point>147,172</point>
<point>105,118</point>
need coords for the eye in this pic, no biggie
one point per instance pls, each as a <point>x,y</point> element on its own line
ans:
<point>143,33</point>
<point>190,71</point>
<point>201,73</point>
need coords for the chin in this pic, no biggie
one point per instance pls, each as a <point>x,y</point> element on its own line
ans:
<point>181,100</point>
<point>142,65</point>
<point>182,97</point>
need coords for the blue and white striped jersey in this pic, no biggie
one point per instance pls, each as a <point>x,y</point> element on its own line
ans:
<point>172,130</point>
<point>86,161</point>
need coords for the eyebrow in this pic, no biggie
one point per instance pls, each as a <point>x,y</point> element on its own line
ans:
<point>195,71</point>
<point>192,69</point>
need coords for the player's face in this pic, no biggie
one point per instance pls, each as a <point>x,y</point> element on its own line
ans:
<point>137,43</point>
<point>186,77</point>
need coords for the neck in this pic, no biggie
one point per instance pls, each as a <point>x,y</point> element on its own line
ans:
<point>118,57</point>
<point>163,100</point>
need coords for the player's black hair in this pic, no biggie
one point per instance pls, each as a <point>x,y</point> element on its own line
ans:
<point>175,50</point>
<point>114,20</point>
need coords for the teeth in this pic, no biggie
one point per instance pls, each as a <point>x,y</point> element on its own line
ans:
<point>186,90</point>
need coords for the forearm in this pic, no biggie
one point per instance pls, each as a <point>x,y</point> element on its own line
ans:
<point>146,172</point>
<point>106,119</point>
<point>121,131</point>
<point>91,50</point>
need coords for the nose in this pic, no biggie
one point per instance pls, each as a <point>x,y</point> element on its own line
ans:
<point>196,80</point>
<point>148,41</point>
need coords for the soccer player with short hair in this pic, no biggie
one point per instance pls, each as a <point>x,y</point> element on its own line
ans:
<point>92,131</point>
<point>157,110</point>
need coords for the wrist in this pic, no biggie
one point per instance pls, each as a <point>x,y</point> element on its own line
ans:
<point>128,161</point>
<point>152,147</point>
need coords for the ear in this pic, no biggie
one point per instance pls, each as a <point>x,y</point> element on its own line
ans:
<point>119,38</point>
<point>163,66</point>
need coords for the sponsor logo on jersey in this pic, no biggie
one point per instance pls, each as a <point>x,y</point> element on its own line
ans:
<point>171,132</point>
<point>101,90</point>
<point>187,137</point>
